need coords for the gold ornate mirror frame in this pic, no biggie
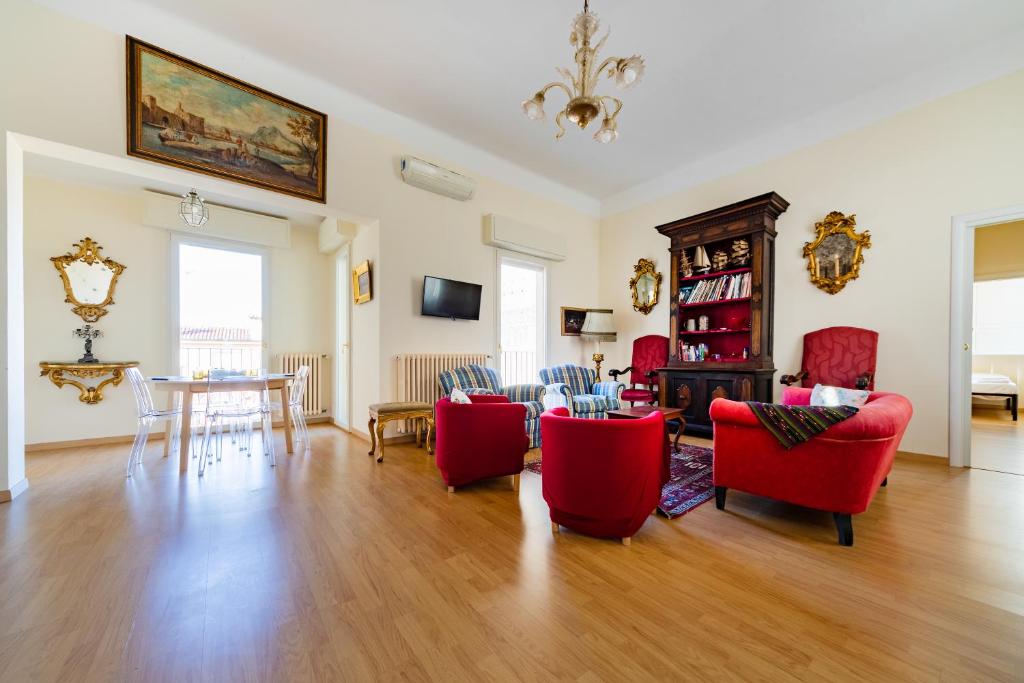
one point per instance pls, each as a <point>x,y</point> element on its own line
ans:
<point>645,268</point>
<point>89,253</point>
<point>836,223</point>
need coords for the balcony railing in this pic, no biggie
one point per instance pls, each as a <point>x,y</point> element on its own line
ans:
<point>519,367</point>
<point>227,357</point>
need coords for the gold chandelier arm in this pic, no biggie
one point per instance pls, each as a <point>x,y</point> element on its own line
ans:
<point>555,84</point>
<point>558,122</point>
<point>607,63</point>
<point>618,106</point>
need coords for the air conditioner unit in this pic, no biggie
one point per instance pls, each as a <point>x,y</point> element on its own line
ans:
<point>428,176</point>
<point>507,233</point>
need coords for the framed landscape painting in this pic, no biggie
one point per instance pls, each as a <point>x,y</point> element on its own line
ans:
<point>183,114</point>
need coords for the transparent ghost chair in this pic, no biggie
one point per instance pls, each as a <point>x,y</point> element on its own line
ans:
<point>148,414</point>
<point>252,405</point>
<point>295,411</point>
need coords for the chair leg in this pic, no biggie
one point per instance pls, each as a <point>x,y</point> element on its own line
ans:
<point>268,438</point>
<point>134,455</point>
<point>373,435</point>
<point>885,482</point>
<point>720,492</point>
<point>451,489</point>
<point>844,525</point>
<point>554,527</point>
<point>515,482</point>
<point>625,540</point>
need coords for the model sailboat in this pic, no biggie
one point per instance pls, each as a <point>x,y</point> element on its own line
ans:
<point>701,263</point>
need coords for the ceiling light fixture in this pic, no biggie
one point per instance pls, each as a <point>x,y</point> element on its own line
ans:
<point>584,106</point>
<point>193,209</point>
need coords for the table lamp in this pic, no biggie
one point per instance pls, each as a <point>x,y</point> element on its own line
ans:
<point>598,324</point>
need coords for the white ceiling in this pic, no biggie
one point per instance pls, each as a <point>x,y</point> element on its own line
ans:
<point>719,74</point>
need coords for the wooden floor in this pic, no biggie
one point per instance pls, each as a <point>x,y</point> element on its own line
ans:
<point>997,442</point>
<point>334,568</point>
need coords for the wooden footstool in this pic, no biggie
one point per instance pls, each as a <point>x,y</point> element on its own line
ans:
<point>382,413</point>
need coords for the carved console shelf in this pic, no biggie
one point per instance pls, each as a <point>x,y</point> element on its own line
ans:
<point>59,374</point>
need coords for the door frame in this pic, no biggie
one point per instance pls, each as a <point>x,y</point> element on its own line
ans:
<point>343,335</point>
<point>961,315</point>
<point>180,239</point>
<point>503,256</point>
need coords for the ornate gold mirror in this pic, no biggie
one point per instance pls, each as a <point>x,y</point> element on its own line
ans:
<point>89,279</point>
<point>835,255</point>
<point>645,285</point>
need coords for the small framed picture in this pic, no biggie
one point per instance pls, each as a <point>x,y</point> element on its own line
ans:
<point>362,290</point>
<point>572,320</point>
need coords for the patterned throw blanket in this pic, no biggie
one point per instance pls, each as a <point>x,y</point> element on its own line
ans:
<point>793,425</point>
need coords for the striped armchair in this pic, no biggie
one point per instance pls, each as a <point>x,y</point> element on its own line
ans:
<point>477,379</point>
<point>574,387</point>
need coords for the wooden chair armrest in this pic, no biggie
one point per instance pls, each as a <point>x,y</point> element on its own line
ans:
<point>790,380</point>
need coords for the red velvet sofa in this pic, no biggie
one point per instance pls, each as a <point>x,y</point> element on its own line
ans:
<point>838,471</point>
<point>602,477</point>
<point>482,440</point>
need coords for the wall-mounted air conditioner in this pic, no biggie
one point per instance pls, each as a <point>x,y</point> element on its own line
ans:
<point>428,176</point>
<point>510,234</point>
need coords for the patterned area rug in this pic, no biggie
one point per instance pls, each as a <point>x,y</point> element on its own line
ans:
<point>689,483</point>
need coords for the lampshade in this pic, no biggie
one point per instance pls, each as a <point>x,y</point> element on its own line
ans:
<point>599,323</point>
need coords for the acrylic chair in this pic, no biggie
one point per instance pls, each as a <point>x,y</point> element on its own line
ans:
<point>243,411</point>
<point>295,411</point>
<point>148,414</point>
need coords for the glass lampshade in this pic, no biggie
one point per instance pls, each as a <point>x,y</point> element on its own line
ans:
<point>193,210</point>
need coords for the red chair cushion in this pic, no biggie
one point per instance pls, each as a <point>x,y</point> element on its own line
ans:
<point>638,395</point>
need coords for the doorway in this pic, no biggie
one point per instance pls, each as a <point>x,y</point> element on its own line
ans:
<point>220,306</point>
<point>983,342</point>
<point>522,298</point>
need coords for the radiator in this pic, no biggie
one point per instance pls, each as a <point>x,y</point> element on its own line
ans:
<point>417,375</point>
<point>317,400</point>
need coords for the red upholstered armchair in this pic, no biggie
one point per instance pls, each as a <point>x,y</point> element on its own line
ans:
<point>482,440</point>
<point>602,477</point>
<point>838,357</point>
<point>649,354</point>
<point>838,470</point>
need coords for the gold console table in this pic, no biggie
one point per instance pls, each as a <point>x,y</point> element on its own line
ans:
<point>58,374</point>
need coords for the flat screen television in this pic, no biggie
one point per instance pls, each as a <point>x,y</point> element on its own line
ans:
<point>451,299</point>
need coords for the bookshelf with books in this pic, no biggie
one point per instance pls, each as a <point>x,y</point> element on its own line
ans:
<point>722,305</point>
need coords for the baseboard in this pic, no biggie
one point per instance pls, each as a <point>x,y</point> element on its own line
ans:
<point>923,458</point>
<point>129,438</point>
<point>7,495</point>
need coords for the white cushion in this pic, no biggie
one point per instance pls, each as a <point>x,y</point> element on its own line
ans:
<point>824,395</point>
<point>459,396</point>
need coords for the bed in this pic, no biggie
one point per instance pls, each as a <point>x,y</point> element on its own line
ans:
<point>995,386</point>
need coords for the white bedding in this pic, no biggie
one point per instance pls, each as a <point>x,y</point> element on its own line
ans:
<point>987,383</point>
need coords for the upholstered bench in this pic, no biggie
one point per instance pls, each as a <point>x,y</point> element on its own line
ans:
<point>382,413</point>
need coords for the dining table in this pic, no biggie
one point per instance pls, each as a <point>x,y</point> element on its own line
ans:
<point>188,387</point>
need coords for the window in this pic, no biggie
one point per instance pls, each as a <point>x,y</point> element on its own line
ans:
<point>999,317</point>
<point>521,320</point>
<point>220,308</point>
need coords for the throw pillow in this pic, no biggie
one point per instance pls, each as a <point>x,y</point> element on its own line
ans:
<point>824,395</point>
<point>459,396</point>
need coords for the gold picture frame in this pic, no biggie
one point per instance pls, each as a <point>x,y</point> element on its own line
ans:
<point>572,319</point>
<point>362,283</point>
<point>649,280</point>
<point>837,249</point>
<point>89,279</point>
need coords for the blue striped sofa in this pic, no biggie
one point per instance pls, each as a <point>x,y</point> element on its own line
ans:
<point>576,388</point>
<point>477,379</point>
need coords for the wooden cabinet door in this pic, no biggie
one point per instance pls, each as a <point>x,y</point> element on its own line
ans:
<point>684,392</point>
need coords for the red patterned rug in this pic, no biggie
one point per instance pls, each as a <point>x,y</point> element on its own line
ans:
<point>689,483</point>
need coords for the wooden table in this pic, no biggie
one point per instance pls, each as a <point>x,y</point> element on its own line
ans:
<point>637,412</point>
<point>188,387</point>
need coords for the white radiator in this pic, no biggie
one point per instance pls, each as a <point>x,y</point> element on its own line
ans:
<point>417,375</point>
<point>317,400</point>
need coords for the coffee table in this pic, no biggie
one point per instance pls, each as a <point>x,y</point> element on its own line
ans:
<point>637,412</point>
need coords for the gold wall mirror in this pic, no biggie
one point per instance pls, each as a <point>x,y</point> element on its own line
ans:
<point>835,255</point>
<point>89,279</point>
<point>645,286</point>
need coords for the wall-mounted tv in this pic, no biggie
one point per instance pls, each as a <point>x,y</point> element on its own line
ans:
<point>451,299</point>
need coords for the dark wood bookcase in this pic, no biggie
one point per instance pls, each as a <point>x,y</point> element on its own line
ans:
<point>737,360</point>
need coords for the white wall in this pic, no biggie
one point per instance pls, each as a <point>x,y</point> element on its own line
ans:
<point>138,324</point>
<point>904,178</point>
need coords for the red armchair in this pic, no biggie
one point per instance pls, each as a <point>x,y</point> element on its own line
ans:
<point>649,354</point>
<point>838,471</point>
<point>602,477</point>
<point>838,357</point>
<point>482,440</point>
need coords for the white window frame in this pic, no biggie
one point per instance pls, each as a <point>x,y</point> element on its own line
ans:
<point>502,256</point>
<point>177,241</point>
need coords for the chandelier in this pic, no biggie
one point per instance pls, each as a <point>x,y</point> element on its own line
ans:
<point>584,105</point>
<point>193,209</point>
